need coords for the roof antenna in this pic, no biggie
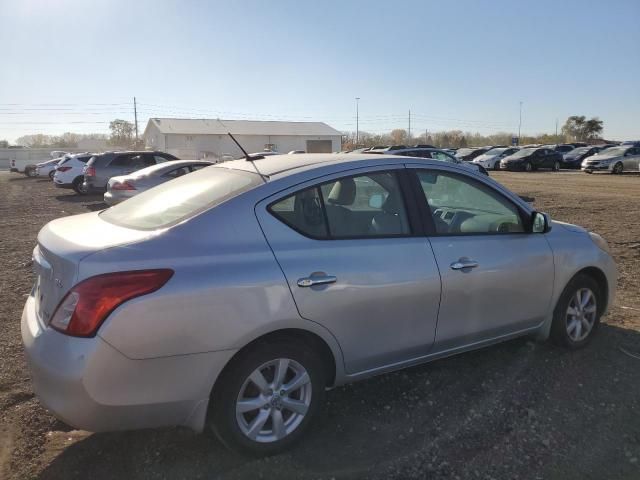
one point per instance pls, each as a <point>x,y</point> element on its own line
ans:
<point>247,157</point>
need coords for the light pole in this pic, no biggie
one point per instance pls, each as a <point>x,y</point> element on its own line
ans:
<point>520,124</point>
<point>357,122</point>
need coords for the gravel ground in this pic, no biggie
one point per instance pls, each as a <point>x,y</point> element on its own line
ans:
<point>518,410</point>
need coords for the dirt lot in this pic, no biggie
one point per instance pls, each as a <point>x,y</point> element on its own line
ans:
<point>518,410</point>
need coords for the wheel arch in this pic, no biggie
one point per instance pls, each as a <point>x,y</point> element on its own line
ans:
<point>311,339</point>
<point>601,279</point>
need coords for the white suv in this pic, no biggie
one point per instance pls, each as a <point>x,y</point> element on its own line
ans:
<point>70,172</point>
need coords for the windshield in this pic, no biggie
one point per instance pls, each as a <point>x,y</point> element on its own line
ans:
<point>464,151</point>
<point>184,197</point>
<point>613,152</point>
<point>523,153</point>
<point>578,151</point>
<point>495,151</point>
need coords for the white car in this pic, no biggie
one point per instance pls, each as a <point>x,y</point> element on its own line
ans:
<point>48,168</point>
<point>70,172</point>
<point>491,159</point>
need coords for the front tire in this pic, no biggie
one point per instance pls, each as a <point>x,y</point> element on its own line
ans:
<point>577,313</point>
<point>265,400</point>
<point>556,166</point>
<point>528,167</point>
<point>618,168</point>
<point>51,174</point>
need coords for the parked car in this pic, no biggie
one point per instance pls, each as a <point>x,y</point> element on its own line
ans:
<point>296,152</point>
<point>613,160</point>
<point>529,159</point>
<point>69,172</point>
<point>111,164</point>
<point>491,158</point>
<point>468,154</point>
<point>574,158</point>
<point>228,301</point>
<point>633,143</point>
<point>126,186</point>
<point>435,154</point>
<point>47,169</point>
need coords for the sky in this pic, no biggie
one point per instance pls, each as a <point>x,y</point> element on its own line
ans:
<point>74,65</point>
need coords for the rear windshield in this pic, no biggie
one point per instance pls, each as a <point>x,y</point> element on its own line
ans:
<point>179,199</point>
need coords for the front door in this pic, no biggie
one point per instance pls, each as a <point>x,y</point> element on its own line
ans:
<point>631,159</point>
<point>354,263</point>
<point>497,278</point>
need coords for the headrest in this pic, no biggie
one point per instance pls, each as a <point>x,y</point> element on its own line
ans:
<point>343,192</point>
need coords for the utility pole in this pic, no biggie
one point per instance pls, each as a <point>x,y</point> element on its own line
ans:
<point>556,127</point>
<point>409,133</point>
<point>520,124</point>
<point>135,114</point>
<point>357,122</point>
<point>426,135</point>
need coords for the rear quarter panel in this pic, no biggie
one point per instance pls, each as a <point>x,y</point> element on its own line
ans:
<point>227,289</point>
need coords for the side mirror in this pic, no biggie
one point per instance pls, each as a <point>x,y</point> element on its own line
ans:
<point>376,201</point>
<point>540,222</point>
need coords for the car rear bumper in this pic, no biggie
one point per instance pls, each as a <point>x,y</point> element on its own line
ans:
<point>91,186</point>
<point>90,385</point>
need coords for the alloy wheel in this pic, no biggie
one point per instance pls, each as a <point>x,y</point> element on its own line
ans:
<point>617,168</point>
<point>528,167</point>
<point>274,400</point>
<point>581,314</point>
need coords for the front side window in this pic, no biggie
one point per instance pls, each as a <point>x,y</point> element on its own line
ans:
<point>369,205</point>
<point>462,206</point>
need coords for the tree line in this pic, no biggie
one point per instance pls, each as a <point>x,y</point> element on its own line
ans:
<point>122,135</point>
<point>575,129</point>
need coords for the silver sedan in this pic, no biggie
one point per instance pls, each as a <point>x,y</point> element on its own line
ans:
<point>231,298</point>
<point>126,186</point>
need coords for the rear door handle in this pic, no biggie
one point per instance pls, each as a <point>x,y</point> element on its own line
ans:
<point>312,280</point>
<point>464,263</point>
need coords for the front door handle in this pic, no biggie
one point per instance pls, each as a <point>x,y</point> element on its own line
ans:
<point>464,263</point>
<point>312,280</point>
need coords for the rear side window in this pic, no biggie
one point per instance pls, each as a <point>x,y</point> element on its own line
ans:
<point>121,161</point>
<point>182,198</point>
<point>365,206</point>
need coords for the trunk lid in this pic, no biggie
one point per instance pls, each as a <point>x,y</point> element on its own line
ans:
<point>62,244</point>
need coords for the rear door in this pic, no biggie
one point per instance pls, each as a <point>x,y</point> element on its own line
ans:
<point>631,160</point>
<point>497,278</point>
<point>353,255</point>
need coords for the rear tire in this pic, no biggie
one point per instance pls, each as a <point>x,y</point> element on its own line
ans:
<point>245,417</point>
<point>78,186</point>
<point>577,313</point>
<point>30,171</point>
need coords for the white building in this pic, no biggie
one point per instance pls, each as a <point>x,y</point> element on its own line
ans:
<point>200,138</point>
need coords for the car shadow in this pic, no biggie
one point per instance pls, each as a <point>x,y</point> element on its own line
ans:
<point>461,410</point>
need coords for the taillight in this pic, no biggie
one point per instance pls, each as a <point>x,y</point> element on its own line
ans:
<point>63,169</point>
<point>89,303</point>
<point>123,186</point>
<point>90,171</point>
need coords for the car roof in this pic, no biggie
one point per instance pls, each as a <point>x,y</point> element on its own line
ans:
<point>284,165</point>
